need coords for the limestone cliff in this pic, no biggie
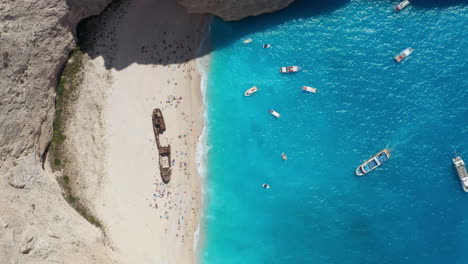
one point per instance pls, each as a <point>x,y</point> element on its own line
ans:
<point>35,39</point>
<point>234,9</point>
<point>36,224</point>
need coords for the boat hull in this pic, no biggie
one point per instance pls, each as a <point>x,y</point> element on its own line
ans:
<point>402,5</point>
<point>309,89</point>
<point>290,69</point>
<point>403,54</point>
<point>251,91</point>
<point>274,113</point>
<point>461,171</point>
<point>373,162</point>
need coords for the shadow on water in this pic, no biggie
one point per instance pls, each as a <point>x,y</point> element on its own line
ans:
<point>102,35</point>
<point>298,9</point>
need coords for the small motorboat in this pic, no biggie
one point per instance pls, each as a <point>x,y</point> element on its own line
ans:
<point>274,113</point>
<point>402,5</point>
<point>309,89</point>
<point>284,156</point>
<point>373,162</point>
<point>247,41</point>
<point>404,54</point>
<point>251,91</point>
<point>266,46</point>
<point>290,69</point>
<point>266,186</point>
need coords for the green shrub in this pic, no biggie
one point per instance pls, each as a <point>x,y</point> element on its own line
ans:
<point>57,162</point>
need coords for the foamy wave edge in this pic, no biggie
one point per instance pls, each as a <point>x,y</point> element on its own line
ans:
<point>202,148</point>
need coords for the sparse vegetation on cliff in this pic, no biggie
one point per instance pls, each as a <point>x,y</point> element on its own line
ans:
<point>67,90</point>
<point>67,93</point>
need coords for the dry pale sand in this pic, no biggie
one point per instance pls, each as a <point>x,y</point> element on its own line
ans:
<point>147,221</point>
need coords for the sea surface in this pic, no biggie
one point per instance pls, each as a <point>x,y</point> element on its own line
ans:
<point>412,209</point>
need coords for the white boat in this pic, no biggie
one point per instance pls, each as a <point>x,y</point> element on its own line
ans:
<point>402,5</point>
<point>461,170</point>
<point>373,162</point>
<point>309,89</point>
<point>247,41</point>
<point>266,46</point>
<point>283,155</point>
<point>290,69</point>
<point>266,186</point>
<point>274,113</point>
<point>403,54</point>
<point>251,91</point>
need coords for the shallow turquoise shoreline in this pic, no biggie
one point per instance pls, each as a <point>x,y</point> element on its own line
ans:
<point>410,210</point>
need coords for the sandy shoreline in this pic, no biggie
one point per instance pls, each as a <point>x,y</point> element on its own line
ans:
<point>150,64</point>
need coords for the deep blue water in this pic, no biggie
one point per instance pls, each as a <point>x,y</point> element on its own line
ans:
<point>412,209</point>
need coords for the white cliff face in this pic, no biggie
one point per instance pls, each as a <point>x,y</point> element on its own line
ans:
<point>36,223</point>
<point>234,9</point>
<point>35,39</point>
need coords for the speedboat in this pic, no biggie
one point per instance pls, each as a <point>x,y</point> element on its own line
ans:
<point>266,186</point>
<point>309,89</point>
<point>274,113</point>
<point>401,5</point>
<point>247,41</point>
<point>373,162</point>
<point>251,91</point>
<point>404,54</point>
<point>290,69</point>
<point>266,46</point>
<point>284,156</point>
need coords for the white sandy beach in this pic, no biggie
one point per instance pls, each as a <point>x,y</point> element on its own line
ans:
<point>145,220</point>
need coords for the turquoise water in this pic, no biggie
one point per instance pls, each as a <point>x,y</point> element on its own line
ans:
<point>412,209</point>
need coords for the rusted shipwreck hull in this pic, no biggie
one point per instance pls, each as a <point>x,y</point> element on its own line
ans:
<point>159,126</point>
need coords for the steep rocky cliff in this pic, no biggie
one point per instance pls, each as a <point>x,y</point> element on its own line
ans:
<point>36,224</point>
<point>35,39</point>
<point>234,9</point>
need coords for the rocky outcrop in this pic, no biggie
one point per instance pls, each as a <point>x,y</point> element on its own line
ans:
<point>36,37</point>
<point>36,224</point>
<point>234,9</point>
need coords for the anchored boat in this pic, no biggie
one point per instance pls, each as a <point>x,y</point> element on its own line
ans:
<point>461,170</point>
<point>283,155</point>
<point>404,54</point>
<point>402,5</point>
<point>290,69</point>
<point>247,41</point>
<point>266,46</point>
<point>274,113</point>
<point>373,162</point>
<point>251,91</point>
<point>309,89</point>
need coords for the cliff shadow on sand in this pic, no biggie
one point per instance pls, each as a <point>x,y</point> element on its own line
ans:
<point>117,31</point>
<point>156,32</point>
